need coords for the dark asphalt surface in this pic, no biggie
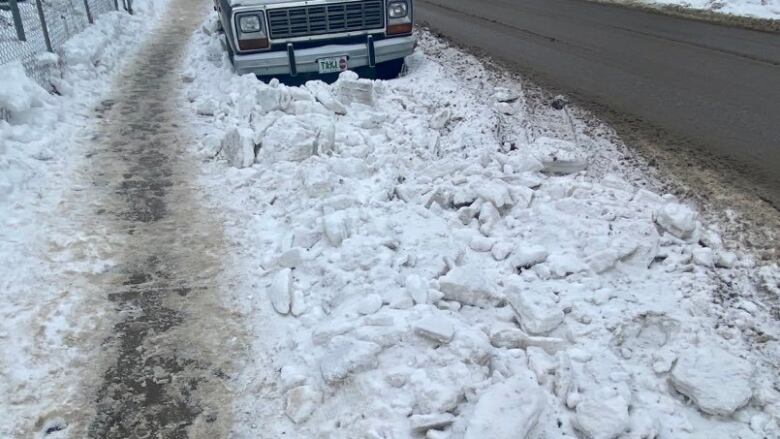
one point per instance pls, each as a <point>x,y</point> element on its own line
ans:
<point>716,87</point>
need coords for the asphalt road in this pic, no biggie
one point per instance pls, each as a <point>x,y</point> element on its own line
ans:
<point>716,87</point>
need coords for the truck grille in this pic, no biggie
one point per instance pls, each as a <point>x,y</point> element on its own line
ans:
<point>326,18</point>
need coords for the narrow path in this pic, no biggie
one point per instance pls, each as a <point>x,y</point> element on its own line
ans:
<point>168,360</point>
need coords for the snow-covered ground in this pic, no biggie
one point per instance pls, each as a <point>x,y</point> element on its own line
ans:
<point>434,256</point>
<point>749,8</point>
<point>431,257</point>
<point>46,257</point>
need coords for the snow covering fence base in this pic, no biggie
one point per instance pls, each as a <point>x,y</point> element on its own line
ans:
<point>30,30</point>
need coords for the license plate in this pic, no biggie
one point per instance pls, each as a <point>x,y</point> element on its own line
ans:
<point>333,64</point>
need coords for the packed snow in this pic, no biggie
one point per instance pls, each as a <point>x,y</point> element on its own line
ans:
<point>462,268</point>
<point>750,8</point>
<point>47,321</point>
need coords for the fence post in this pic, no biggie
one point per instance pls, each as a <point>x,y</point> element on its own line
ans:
<point>44,27</point>
<point>116,5</point>
<point>89,14</point>
<point>17,20</point>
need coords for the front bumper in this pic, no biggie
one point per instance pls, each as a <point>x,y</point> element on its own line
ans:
<point>305,60</point>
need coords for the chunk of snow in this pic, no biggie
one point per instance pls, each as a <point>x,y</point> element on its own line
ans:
<point>678,220</point>
<point>302,401</point>
<point>470,286</point>
<point>526,257</point>
<point>346,357</point>
<point>350,89</point>
<point>327,332</point>
<point>369,304</point>
<point>522,163</point>
<point>291,258</point>
<point>507,410</point>
<point>537,312</point>
<point>503,94</point>
<point>322,92</point>
<point>280,291</point>
<point>297,304</point>
<point>293,138</point>
<point>206,107</point>
<point>559,156</point>
<point>541,363</point>
<point>603,260</point>
<point>715,380</point>
<point>725,259</point>
<point>336,227</point>
<point>273,98</point>
<point>481,244</point>
<point>435,421</point>
<point>644,197</point>
<point>292,375</point>
<point>417,288</point>
<point>565,264</point>
<point>703,256</point>
<point>397,298</point>
<point>505,108</point>
<point>436,327</point>
<point>522,195</point>
<point>501,250</point>
<point>238,148</point>
<point>437,390</point>
<point>488,217</point>
<point>300,94</point>
<point>602,418</point>
<point>495,192</point>
<point>514,338</point>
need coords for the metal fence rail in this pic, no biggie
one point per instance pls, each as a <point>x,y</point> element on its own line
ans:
<point>29,28</point>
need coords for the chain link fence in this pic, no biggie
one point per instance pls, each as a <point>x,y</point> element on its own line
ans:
<point>31,28</point>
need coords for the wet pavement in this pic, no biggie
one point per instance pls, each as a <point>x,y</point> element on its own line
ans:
<point>166,369</point>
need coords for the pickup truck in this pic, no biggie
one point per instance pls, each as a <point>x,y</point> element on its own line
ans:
<point>292,37</point>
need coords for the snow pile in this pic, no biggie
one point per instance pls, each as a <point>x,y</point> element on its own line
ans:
<point>42,245</point>
<point>449,282</point>
<point>751,8</point>
<point>20,94</point>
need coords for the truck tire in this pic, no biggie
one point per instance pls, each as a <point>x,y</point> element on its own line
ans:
<point>389,69</point>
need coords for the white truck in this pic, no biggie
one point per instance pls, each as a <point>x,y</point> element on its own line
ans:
<point>292,37</point>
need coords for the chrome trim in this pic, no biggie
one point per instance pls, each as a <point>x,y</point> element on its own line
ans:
<point>292,4</point>
<point>327,18</point>
<point>330,36</point>
<point>277,62</point>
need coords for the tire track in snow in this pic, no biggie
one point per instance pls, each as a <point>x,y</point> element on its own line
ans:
<point>169,358</point>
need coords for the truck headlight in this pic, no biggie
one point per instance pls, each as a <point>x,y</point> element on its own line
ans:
<point>397,9</point>
<point>250,24</point>
<point>250,31</point>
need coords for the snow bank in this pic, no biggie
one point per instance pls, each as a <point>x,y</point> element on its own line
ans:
<point>40,150</point>
<point>750,8</point>
<point>456,283</point>
<point>19,93</point>
<point>769,9</point>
